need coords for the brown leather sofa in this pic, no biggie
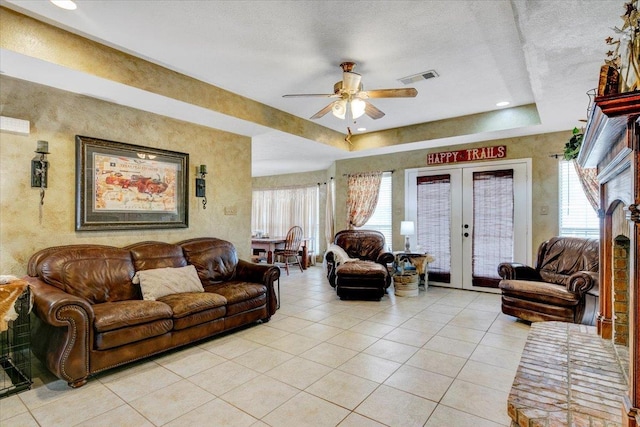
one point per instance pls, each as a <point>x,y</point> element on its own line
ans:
<point>90,316</point>
<point>365,274</point>
<point>563,286</point>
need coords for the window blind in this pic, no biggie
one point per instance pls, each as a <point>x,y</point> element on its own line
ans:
<point>433,224</point>
<point>577,217</point>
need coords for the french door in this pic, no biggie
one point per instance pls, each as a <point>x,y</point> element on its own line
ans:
<point>471,218</point>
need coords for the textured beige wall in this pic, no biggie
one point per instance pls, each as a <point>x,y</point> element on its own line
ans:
<point>57,116</point>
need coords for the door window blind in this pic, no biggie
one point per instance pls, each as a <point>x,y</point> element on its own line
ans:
<point>433,225</point>
<point>492,225</point>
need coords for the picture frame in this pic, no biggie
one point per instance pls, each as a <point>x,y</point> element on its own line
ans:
<point>122,186</point>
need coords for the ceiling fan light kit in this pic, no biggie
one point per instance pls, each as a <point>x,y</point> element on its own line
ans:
<point>353,99</point>
<point>357,108</point>
<point>339,109</point>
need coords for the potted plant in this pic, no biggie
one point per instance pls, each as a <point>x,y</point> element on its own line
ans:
<point>572,147</point>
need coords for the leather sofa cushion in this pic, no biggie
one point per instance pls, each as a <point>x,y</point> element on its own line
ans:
<point>115,315</point>
<point>194,308</point>
<point>122,336</point>
<point>361,268</point>
<point>240,296</point>
<point>246,305</point>
<point>99,274</point>
<point>562,256</point>
<point>150,255</point>
<point>541,292</point>
<point>235,292</point>
<point>214,314</point>
<point>214,259</point>
<point>187,303</point>
<point>363,244</point>
<point>535,311</point>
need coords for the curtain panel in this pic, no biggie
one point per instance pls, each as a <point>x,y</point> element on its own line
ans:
<point>589,181</point>
<point>329,226</point>
<point>362,197</point>
<point>275,211</point>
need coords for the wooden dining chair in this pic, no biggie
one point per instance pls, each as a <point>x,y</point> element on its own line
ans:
<point>291,248</point>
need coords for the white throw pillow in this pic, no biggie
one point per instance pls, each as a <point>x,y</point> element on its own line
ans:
<point>159,282</point>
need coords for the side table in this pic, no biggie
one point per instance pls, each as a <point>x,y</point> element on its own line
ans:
<point>419,261</point>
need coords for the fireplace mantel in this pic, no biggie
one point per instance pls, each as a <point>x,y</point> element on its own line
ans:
<point>611,143</point>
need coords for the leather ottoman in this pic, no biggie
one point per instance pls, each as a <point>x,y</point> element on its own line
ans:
<point>361,280</point>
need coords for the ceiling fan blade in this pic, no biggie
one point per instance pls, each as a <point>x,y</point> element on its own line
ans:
<point>316,95</point>
<point>322,112</point>
<point>389,93</point>
<point>372,111</point>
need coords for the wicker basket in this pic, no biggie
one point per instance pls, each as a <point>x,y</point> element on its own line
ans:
<point>406,285</point>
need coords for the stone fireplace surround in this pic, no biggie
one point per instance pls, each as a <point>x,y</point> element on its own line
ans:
<point>575,375</point>
<point>612,144</point>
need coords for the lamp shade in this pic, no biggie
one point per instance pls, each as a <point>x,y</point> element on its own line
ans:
<point>357,108</point>
<point>339,108</point>
<point>407,228</point>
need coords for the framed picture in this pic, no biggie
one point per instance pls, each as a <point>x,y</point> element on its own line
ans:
<point>123,186</point>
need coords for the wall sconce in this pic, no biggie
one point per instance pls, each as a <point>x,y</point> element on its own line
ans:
<point>407,228</point>
<point>201,189</point>
<point>40,168</point>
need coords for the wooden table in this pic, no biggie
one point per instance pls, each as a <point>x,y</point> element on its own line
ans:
<point>269,245</point>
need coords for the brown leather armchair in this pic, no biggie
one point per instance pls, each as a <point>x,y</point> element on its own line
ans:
<point>563,286</point>
<point>364,275</point>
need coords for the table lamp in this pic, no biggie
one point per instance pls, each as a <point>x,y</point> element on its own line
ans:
<point>407,229</point>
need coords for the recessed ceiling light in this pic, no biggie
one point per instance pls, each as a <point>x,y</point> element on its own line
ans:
<point>502,104</point>
<point>65,4</point>
<point>361,129</point>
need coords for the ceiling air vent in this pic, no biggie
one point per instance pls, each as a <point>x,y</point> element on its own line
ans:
<point>420,76</point>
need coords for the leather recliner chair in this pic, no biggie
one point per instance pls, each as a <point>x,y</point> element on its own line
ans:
<point>365,275</point>
<point>563,286</point>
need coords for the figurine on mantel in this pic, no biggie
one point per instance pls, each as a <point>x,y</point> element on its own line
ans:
<point>621,71</point>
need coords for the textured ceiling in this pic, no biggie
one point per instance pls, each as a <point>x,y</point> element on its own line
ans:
<point>546,53</point>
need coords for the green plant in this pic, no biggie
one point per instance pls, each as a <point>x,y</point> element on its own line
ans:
<point>572,147</point>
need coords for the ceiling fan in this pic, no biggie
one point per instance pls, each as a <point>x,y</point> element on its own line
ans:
<point>353,100</point>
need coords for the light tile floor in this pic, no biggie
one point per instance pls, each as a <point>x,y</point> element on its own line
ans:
<point>445,358</point>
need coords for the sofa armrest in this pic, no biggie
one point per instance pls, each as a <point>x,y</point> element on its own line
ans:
<point>257,273</point>
<point>330,257</point>
<point>582,282</point>
<point>385,258</point>
<point>517,271</point>
<point>330,263</point>
<point>63,332</point>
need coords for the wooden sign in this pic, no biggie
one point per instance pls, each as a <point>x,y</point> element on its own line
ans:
<point>470,155</point>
